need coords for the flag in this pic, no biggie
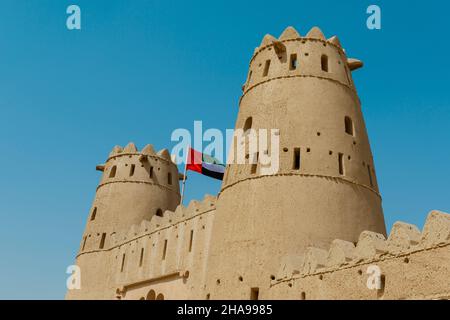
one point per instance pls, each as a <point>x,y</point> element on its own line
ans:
<point>204,164</point>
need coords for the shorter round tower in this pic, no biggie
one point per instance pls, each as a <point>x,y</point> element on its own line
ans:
<point>134,187</point>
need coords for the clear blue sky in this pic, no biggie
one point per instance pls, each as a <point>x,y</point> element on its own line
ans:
<point>139,69</point>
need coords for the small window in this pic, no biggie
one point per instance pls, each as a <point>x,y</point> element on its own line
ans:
<point>190,240</point>
<point>382,285</point>
<point>123,263</point>
<point>164,250</point>
<point>160,296</point>
<point>112,173</point>
<point>141,260</point>
<point>349,129</point>
<point>254,167</point>
<point>159,213</point>
<point>296,164</point>
<point>151,172</point>
<point>370,175</point>
<point>102,241</point>
<point>324,61</point>
<point>248,124</point>
<point>94,213</point>
<point>249,77</point>
<point>293,62</point>
<point>169,178</point>
<point>132,168</point>
<point>341,164</point>
<point>254,293</point>
<point>266,68</point>
<point>84,243</point>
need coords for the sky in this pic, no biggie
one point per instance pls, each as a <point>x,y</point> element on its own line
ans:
<point>139,69</point>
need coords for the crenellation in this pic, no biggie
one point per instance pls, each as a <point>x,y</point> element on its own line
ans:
<point>315,259</point>
<point>341,253</point>
<point>369,245</point>
<point>129,148</point>
<point>115,151</point>
<point>436,229</point>
<point>403,236</point>
<point>289,34</point>
<point>290,266</point>
<point>315,57</point>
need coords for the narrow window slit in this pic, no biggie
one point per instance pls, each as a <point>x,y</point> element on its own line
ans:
<point>112,173</point>
<point>324,62</point>
<point>293,62</point>
<point>164,250</point>
<point>341,164</point>
<point>254,293</point>
<point>84,243</point>
<point>102,241</point>
<point>94,214</point>
<point>141,260</point>
<point>190,240</point>
<point>123,263</point>
<point>370,175</point>
<point>255,164</point>
<point>266,68</point>
<point>296,164</point>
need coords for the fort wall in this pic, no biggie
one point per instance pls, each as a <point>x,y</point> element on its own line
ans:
<point>412,265</point>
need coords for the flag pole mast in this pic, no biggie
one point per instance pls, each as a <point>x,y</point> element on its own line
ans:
<point>184,174</point>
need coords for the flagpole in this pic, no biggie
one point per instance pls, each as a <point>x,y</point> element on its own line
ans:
<point>184,175</point>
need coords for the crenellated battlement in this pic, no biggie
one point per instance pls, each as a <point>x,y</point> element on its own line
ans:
<point>292,56</point>
<point>290,34</point>
<point>404,240</point>
<point>170,246</point>
<point>169,219</point>
<point>128,165</point>
<point>147,151</point>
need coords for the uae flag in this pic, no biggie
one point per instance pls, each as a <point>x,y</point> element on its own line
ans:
<point>204,164</point>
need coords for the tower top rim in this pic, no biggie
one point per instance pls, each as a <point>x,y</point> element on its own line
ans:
<point>290,34</point>
<point>131,150</point>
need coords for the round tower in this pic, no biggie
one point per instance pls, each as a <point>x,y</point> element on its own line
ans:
<point>326,185</point>
<point>134,186</point>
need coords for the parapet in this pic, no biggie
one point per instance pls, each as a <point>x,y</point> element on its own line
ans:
<point>168,219</point>
<point>147,151</point>
<point>290,34</point>
<point>296,56</point>
<point>403,240</point>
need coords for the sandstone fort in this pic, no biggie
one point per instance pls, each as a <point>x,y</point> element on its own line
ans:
<point>313,230</point>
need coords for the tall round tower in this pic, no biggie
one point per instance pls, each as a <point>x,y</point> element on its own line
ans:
<point>134,187</point>
<point>325,187</point>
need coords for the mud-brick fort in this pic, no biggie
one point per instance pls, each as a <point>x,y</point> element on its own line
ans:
<point>312,230</point>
